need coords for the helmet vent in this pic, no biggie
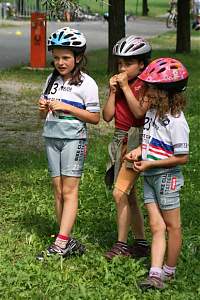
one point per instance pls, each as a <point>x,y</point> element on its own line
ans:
<point>54,35</point>
<point>66,44</point>
<point>76,43</point>
<point>161,70</point>
<point>122,45</point>
<point>60,35</point>
<point>68,36</point>
<point>174,67</point>
<point>152,70</point>
<point>162,63</point>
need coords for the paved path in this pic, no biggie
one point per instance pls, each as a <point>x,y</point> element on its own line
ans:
<point>15,40</point>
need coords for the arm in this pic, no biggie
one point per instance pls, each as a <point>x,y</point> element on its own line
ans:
<point>137,110</point>
<point>81,114</point>
<point>134,155</point>
<point>181,159</point>
<point>43,108</point>
<point>109,107</point>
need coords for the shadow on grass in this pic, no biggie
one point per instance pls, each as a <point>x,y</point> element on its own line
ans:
<point>42,226</point>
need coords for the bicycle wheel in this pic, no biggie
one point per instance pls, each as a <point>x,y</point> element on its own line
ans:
<point>175,21</point>
<point>169,21</point>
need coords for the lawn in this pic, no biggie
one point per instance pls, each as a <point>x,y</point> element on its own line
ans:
<point>27,212</point>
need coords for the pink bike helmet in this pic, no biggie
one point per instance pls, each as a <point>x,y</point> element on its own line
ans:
<point>166,73</point>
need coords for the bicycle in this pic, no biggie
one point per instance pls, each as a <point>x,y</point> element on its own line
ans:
<point>171,20</point>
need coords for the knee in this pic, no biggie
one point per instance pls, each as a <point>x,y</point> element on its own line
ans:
<point>132,199</point>
<point>58,196</point>
<point>118,195</point>
<point>69,193</point>
<point>173,227</point>
<point>158,227</point>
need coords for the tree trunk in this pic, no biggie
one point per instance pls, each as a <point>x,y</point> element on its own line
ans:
<point>116,29</point>
<point>183,43</point>
<point>145,8</point>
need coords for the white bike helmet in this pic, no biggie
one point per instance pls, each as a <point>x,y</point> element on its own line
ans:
<point>67,37</point>
<point>132,46</point>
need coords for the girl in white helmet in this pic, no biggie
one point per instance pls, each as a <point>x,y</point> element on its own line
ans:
<point>132,55</point>
<point>69,101</point>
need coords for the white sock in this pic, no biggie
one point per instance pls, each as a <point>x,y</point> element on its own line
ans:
<point>168,272</point>
<point>155,272</point>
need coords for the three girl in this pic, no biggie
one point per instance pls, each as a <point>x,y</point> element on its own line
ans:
<point>70,100</point>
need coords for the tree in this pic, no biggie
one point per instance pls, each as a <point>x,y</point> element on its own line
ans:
<point>145,8</point>
<point>183,42</point>
<point>116,28</point>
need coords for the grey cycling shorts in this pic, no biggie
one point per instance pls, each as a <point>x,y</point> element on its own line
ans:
<point>65,157</point>
<point>163,189</point>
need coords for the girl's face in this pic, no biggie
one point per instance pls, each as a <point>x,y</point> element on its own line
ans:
<point>131,66</point>
<point>64,61</point>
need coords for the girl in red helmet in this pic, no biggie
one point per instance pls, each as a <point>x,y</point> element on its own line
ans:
<point>165,146</point>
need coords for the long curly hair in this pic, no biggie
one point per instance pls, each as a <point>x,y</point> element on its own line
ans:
<point>165,102</point>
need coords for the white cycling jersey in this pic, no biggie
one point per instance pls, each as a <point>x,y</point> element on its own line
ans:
<point>163,138</point>
<point>61,124</point>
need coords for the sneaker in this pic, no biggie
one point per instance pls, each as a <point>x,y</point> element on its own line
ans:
<point>167,277</point>
<point>73,247</point>
<point>139,250</point>
<point>118,249</point>
<point>152,283</point>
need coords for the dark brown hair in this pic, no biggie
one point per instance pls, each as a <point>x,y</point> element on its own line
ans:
<point>79,67</point>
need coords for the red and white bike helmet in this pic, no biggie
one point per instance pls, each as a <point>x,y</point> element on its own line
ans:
<point>166,73</point>
<point>132,46</point>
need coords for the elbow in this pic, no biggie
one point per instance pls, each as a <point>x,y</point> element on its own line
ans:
<point>184,159</point>
<point>106,117</point>
<point>96,119</point>
<point>139,115</point>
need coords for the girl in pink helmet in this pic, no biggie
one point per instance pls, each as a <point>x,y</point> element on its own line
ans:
<point>165,146</point>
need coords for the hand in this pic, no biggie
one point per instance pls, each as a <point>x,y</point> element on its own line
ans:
<point>57,105</point>
<point>43,105</point>
<point>113,83</point>
<point>141,166</point>
<point>122,79</point>
<point>134,155</point>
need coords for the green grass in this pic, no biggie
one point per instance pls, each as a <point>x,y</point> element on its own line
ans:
<point>156,7</point>
<point>27,212</point>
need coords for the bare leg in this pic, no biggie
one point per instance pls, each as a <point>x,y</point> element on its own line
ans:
<point>57,189</point>
<point>123,214</point>
<point>173,222</point>
<point>158,229</point>
<point>137,221</point>
<point>124,182</point>
<point>70,206</point>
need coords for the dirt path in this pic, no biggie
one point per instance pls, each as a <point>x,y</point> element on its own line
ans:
<point>20,125</point>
